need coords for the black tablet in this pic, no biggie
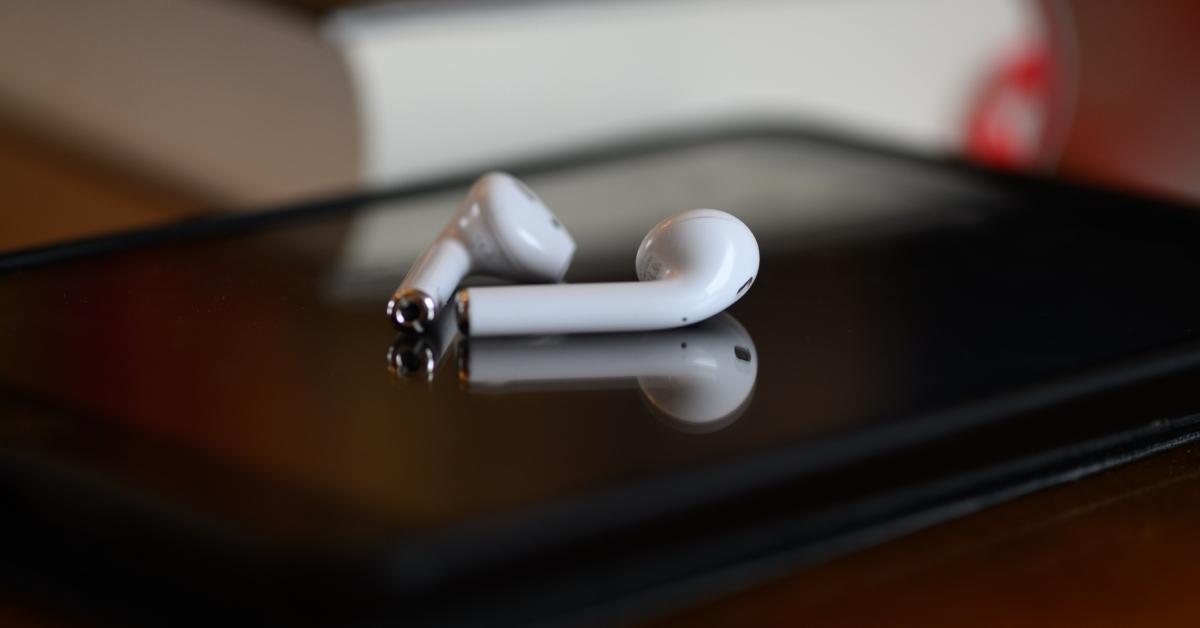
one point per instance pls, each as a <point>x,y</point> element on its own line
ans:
<point>216,419</point>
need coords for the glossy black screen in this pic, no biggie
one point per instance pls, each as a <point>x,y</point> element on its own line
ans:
<point>249,375</point>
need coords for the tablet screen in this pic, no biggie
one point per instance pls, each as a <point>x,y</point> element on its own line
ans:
<point>260,362</point>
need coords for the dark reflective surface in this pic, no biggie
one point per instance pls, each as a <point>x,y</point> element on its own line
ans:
<point>887,289</point>
<point>898,302</point>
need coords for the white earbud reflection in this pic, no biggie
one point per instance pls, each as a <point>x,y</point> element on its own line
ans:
<point>698,379</point>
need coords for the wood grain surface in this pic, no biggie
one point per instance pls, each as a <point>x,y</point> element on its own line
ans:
<point>1117,549</point>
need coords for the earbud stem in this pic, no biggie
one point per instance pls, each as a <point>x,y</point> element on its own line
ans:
<point>439,270</point>
<point>579,308</point>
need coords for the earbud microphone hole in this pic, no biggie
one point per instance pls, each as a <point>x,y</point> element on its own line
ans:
<point>746,285</point>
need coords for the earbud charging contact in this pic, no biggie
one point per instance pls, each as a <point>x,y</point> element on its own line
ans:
<point>412,309</point>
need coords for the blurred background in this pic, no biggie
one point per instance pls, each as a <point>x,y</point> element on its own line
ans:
<point>131,112</point>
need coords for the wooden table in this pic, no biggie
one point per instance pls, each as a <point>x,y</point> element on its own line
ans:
<point>1117,549</point>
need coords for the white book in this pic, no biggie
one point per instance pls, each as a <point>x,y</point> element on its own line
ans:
<point>442,85</point>
<point>247,103</point>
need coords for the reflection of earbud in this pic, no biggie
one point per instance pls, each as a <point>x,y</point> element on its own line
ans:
<point>415,355</point>
<point>501,229</point>
<point>689,267</point>
<point>699,378</point>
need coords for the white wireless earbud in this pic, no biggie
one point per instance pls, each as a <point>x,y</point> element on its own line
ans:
<point>699,379</point>
<point>501,229</point>
<point>689,267</point>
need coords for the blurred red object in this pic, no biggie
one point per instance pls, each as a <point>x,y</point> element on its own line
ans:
<point>1006,124</point>
<point>1106,95</point>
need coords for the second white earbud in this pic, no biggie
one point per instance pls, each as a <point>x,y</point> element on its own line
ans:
<point>501,229</point>
<point>689,267</point>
